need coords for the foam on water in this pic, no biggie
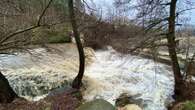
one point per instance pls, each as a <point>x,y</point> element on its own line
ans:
<point>108,74</point>
<point>117,74</point>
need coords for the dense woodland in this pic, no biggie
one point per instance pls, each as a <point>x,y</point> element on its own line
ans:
<point>157,25</point>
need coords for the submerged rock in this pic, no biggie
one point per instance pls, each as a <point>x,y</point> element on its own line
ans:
<point>98,104</point>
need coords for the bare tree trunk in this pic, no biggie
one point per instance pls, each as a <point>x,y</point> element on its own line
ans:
<point>78,80</point>
<point>172,46</point>
<point>7,94</point>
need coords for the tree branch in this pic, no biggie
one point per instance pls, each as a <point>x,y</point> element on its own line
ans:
<point>29,28</point>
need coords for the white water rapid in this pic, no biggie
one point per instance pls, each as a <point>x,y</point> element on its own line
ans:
<point>108,74</point>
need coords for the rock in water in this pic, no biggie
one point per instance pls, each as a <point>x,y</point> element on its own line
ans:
<point>131,107</point>
<point>98,104</point>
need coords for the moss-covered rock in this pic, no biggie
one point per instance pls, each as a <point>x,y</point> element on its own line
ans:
<point>98,104</point>
<point>58,37</point>
<point>189,105</point>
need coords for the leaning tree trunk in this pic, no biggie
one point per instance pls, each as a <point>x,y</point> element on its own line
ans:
<point>78,80</point>
<point>7,94</point>
<point>172,47</point>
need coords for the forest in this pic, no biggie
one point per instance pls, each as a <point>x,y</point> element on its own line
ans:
<point>97,55</point>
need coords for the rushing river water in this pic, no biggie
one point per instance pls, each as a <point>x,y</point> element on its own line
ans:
<point>108,74</point>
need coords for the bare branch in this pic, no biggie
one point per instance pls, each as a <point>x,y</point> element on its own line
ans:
<point>29,28</point>
<point>43,13</point>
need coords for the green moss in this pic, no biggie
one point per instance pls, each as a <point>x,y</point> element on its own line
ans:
<point>189,105</point>
<point>55,34</point>
<point>58,37</point>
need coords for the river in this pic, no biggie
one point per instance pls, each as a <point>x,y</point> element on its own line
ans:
<point>108,74</point>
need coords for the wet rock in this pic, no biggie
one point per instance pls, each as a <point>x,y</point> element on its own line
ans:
<point>98,104</point>
<point>74,92</point>
<point>131,107</point>
<point>65,100</point>
<point>125,99</point>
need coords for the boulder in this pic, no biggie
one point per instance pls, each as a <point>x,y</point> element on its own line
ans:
<point>98,104</point>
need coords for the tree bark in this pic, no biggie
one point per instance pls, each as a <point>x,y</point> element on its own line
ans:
<point>7,94</point>
<point>77,82</point>
<point>172,46</point>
